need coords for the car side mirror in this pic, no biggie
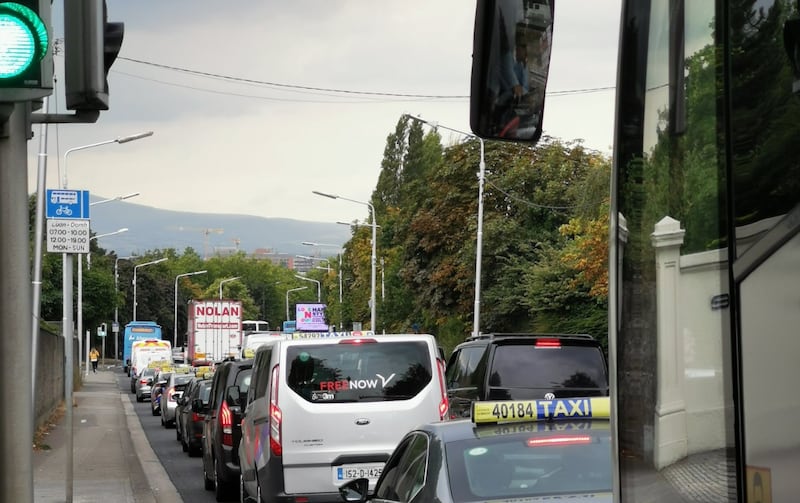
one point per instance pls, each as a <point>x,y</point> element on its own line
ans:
<point>233,396</point>
<point>197,405</point>
<point>355,491</point>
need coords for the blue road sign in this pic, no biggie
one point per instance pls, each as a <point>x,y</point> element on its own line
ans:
<point>67,204</point>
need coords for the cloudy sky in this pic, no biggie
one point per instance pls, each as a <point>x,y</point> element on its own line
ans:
<point>254,104</point>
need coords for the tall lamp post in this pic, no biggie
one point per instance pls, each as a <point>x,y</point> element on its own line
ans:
<point>373,259</point>
<point>116,307</point>
<point>80,294</point>
<point>476,318</point>
<point>319,287</point>
<point>287,298</point>
<point>226,281</point>
<point>135,269</point>
<point>66,328</point>
<point>175,315</point>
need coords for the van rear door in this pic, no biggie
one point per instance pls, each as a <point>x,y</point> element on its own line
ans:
<point>347,403</point>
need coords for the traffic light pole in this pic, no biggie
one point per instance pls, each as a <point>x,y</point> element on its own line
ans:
<point>16,430</point>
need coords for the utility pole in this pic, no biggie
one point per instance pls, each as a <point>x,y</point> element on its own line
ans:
<point>16,430</point>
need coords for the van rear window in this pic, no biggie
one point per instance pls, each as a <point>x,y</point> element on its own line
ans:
<point>525,366</point>
<point>337,373</point>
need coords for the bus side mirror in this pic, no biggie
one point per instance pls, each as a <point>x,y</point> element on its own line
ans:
<point>510,65</point>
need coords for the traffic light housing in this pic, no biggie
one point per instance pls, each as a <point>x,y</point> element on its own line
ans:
<point>26,55</point>
<point>91,45</point>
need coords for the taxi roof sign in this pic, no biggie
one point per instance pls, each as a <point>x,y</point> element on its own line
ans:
<point>506,411</point>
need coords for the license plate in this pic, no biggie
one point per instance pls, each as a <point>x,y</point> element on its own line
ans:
<point>361,471</point>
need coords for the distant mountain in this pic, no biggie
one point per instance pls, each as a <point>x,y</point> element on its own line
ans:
<point>208,233</point>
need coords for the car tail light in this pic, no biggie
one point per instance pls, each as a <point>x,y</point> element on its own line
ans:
<point>444,404</point>
<point>196,418</point>
<point>358,340</point>
<point>275,416</point>
<point>548,343</point>
<point>142,381</point>
<point>226,422</point>
<point>561,440</point>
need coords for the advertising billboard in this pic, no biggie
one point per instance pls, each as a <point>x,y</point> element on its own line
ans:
<point>311,317</point>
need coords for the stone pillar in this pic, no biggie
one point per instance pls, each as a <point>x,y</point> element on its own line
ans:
<point>671,436</point>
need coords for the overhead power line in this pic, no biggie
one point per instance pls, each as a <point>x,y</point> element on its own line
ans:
<point>334,92</point>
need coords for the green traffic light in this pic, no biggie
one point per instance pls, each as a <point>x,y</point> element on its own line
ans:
<point>23,39</point>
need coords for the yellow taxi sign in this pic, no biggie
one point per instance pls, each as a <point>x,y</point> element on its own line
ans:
<point>204,371</point>
<point>506,411</point>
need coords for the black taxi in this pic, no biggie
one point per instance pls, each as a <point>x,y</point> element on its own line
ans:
<point>508,450</point>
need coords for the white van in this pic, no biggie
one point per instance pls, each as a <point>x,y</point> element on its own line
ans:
<point>253,340</point>
<point>322,411</point>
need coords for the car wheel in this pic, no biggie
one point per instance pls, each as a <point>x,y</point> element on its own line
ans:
<point>163,424</point>
<point>194,451</point>
<point>208,483</point>
<point>177,433</point>
<point>184,445</point>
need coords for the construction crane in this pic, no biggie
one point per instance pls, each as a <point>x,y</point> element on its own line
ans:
<point>206,231</point>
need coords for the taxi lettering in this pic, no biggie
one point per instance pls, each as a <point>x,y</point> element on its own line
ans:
<point>536,410</point>
<point>344,385</point>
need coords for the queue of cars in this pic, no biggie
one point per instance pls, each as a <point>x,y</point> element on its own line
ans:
<point>319,418</point>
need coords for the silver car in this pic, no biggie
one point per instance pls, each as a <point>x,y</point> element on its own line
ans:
<point>144,384</point>
<point>169,397</point>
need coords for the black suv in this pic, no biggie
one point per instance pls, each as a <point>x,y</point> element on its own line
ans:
<point>222,429</point>
<point>524,367</point>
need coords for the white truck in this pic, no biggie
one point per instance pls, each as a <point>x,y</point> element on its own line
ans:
<point>215,330</point>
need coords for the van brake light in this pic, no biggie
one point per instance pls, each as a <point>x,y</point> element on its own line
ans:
<point>444,404</point>
<point>357,341</point>
<point>275,416</point>
<point>548,343</point>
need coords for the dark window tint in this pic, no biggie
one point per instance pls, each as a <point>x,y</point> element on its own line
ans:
<point>405,473</point>
<point>205,391</point>
<point>331,373</point>
<point>462,367</point>
<point>526,366</point>
<point>243,380</point>
<point>262,371</point>
<point>182,379</point>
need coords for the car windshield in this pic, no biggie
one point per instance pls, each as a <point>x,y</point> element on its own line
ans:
<point>182,379</point>
<point>519,466</point>
<point>335,373</point>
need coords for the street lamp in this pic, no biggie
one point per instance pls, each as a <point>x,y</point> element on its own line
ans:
<point>319,289</point>
<point>175,315</point>
<point>66,306</point>
<point>226,281</point>
<point>135,269</point>
<point>479,239</point>
<point>287,298</point>
<point>80,294</point>
<point>118,198</point>
<point>373,259</point>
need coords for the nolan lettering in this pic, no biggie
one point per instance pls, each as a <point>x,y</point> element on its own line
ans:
<point>214,310</point>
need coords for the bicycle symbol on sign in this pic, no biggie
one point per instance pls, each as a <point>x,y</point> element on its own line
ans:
<point>64,210</point>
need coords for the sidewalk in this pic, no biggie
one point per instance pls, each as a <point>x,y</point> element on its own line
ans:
<point>112,459</point>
